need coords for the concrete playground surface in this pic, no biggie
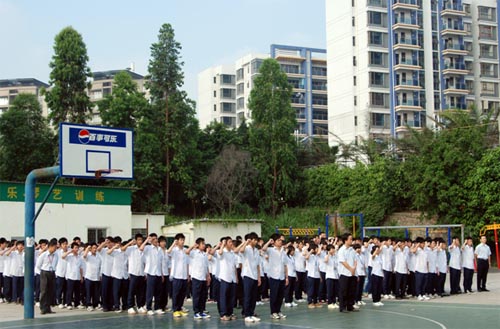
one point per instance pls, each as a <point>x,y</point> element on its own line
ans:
<point>476,310</point>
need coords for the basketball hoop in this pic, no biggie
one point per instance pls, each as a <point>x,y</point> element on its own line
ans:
<point>104,172</point>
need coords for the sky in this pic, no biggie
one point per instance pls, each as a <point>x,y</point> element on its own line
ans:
<point>119,32</point>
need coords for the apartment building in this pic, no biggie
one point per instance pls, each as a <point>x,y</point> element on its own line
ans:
<point>399,63</point>
<point>10,88</point>
<point>306,70</point>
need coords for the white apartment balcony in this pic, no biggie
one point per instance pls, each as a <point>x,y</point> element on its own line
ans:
<point>455,69</point>
<point>407,65</point>
<point>410,44</point>
<point>406,126</point>
<point>408,105</point>
<point>411,85</point>
<point>405,24</point>
<point>405,4</point>
<point>453,29</point>
<point>454,49</point>
<point>456,89</point>
<point>452,10</point>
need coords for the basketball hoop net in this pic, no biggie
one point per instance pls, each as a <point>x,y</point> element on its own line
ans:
<point>104,172</point>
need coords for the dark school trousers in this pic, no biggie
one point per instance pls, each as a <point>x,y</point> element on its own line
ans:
<point>420,283</point>
<point>136,291</point>
<point>482,273</point>
<point>376,282</point>
<point>322,286</point>
<point>216,288</point>
<point>47,290</point>
<point>18,288</point>
<point>312,290</point>
<point>91,293</point>
<point>300,285</point>
<point>60,290</point>
<point>359,287</point>
<point>368,285</point>
<point>153,291</point>
<point>227,297</point>
<point>289,289</point>
<point>347,290</point>
<point>199,294</point>
<point>37,287</point>
<point>387,283</point>
<point>430,288</point>
<point>250,293</point>
<point>73,292</point>
<point>179,290</point>
<point>107,293</point>
<point>468,275</point>
<point>164,292</point>
<point>400,284</point>
<point>440,281</point>
<point>120,293</point>
<point>331,290</point>
<point>277,292</point>
<point>454,280</point>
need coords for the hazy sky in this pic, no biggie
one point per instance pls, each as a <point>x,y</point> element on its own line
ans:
<point>118,32</point>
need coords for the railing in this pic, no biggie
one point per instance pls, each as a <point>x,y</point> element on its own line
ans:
<point>460,86</point>
<point>406,2</point>
<point>413,102</point>
<point>406,20</point>
<point>413,62</point>
<point>409,123</point>
<point>452,6</point>
<point>453,26</point>
<point>378,3</point>
<point>412,83</point>
<point>412,42</point>
<point>454,46</point>
<point>490,55</point>
<point>455,66</point>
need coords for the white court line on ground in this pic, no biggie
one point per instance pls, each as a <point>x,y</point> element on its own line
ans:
<point>474,307</point>
<point>413,316</point>
<point>30,325</point>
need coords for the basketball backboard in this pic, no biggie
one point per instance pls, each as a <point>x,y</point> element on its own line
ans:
<point>95,152</point>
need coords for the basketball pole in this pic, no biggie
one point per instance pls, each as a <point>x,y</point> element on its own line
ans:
<point>29,235</point>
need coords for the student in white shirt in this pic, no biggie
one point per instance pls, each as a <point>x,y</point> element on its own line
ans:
<point>400,269</point>
<point>361,275</point>
<point>377,276</point>
<point>292,277</point>
<point>92,276</point>
<point>250,274</point>
<point>106,279</point>
<point>42,245</point>
<point>483,259</point>
<point>421,268</point>
<point>468,264</point>
<point>153,256</point>
<point>387,254</point>
<point>7,276</point>
<point>118,276</point>
<point>228,278</point>
<point>61,273</point>
<point>3,246</point>
<point>165,270</point>
<point>347,271</point>
<point>74,275</point>
<point>322,271</point>
<point>200,278</point>
<point>46,264</point>
<point>312,258</point>
<point>179,274</point>
<point>332,275</point>
<point>433,270</point>
<point>442,265</point>
<point>455,266</point>
<point>278,274</point>
<point>17,271</point>
<point>136,300</point>
<point>300,270</point>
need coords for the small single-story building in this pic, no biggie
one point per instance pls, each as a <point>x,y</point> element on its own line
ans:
<point>211,229</point>
<point>89,212</point>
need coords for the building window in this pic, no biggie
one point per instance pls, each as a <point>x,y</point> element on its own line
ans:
<point>353,21</point>
<point>354,60</point>
<point>319,71</point>
<point>240,74</point>
<point>215,107</point>
<point>355,100</point>
<point>142,231</point>
<point>228,93</point>
<point>215,93</point>
<point>354,80</point>
<point>228,107</point>
<point>95,234</point>
<point>289,68</point>
<point>228,79</point>
<point>355,120</point>
<point>215,79</point>
<point>354,41</point>
<point>240,103</point>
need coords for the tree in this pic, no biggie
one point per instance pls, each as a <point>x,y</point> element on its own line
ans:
<point>67,96</point>
<point>271,136</point>
<point>178,131</point>
<point>26,141</point>
<point>231,178</point>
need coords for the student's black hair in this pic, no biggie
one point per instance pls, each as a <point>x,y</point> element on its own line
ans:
<point>2,240</point>
<point>53,240</point>
<point>77,238</point>
<point>117,239</point>
<point>382,239</point>
<point>275,236</point>
<point>374,249</point>
<point>208,245</point>
<point>179,236</point>
<point>74,244</point>
<point>428,239</point>
<point>312,246</point>
<point>239,238</point>
<point>419,240</point>
<point>52,243</point>
<point>346,236</point>
<point>356,246</point>
<point>138,235</point>
<point>237,243</point>
<point>42,241</point>
<point>162,238</point>
<point>251,236</point>
<point>226,238</point>
<point>19,243</point>
<point>153,235</point>
<point>91,244</point>
<point>289,250</point>
<point>63,240</point>
<point>200,241</point>
<point>455,237</point>
<point>407,240</point>
<point>323,241</point>
<point>330,247</point>
<point>365,239</point>
<point>468,238</point>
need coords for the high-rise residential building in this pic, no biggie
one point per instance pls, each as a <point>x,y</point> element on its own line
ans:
<point>102,85</point>
<point>306,70</point>
<point>10,88</point>
<point>217,96</point>
<point>398,63</point>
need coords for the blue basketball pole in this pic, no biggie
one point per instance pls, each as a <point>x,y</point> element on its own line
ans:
<point>327,220</point>
<point>29,235</point>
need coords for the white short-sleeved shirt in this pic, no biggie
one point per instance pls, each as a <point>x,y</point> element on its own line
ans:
<point>322,265</point>
<point>455,257</point>
<point>153,258</point>
<point>74,265</point>
<point>312,266</point>
<point>251,261</point>
<point>421,263</point>
<point>277,263</point>
<point>346,255</point>
<point>468,257</point>
<point>107,262</point>
<point>441,261</point>
<point>400,261</point>
<point>93,267</point>
<point>6,266</point>
<point>179,263</point>
<point>332,268</point>
<point>17,263</point>
<point>387,255</point>
<point>199,265</point>
<point>300,261</point>
<point>360,265</point>
<point>432,259</point>
<point>61,264</point>
<point>2,258</point>
<point>47,261</point>
<point>377,266</point>
<point>291,266</point>
<point>483,251</point>
<point>118,269</point>
<point>227,266</point>
<point>135,261</point>
<point>166,264</point>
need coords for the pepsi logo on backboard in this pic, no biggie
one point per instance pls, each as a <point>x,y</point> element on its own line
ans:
<point>97,137</point>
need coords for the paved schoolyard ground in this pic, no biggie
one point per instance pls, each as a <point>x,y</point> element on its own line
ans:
<point>477,310</point>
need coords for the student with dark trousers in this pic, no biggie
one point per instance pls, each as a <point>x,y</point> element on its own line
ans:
<point>278,274</point>
<point>227,277</point>
<point>347,278</point>
<point>46,264</point>
<point>455,265</point>
<point>179,274</point>
<point>483,258</point>
<point>200,278</point>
